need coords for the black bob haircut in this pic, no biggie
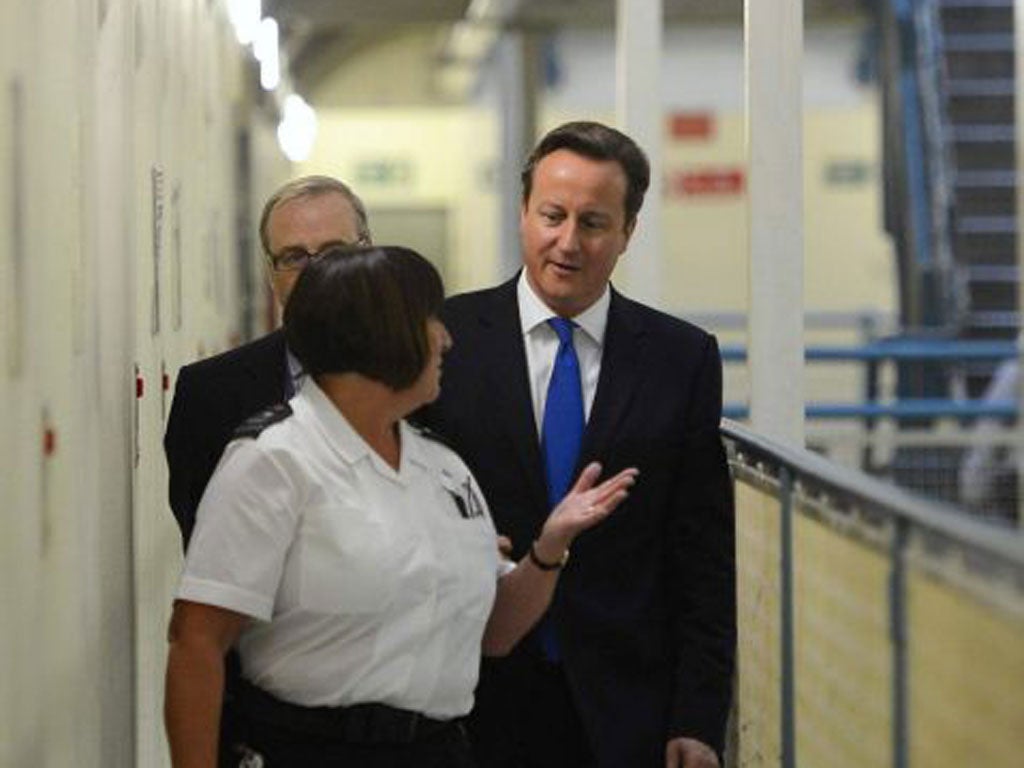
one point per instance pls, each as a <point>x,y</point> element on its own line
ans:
<point>364,310</point>
<point>598,142</point>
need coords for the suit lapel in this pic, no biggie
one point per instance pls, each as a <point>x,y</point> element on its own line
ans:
<point>507,377</point>
<point>624,346</point>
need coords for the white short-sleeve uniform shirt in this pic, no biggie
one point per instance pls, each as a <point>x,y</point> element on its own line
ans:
<point>369,585</point>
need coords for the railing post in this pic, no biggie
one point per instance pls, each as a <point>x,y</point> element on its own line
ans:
<point>788,664</point>
<point>898,636</point>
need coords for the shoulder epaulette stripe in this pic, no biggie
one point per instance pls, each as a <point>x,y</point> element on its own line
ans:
<point>255,424</point>
<point>430,434</point>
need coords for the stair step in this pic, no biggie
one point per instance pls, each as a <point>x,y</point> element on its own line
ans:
<point>987,42</point>
<point>992,273</point>
<point>985,248</point>
<point>976,4</point>
<point>992,133</point>
<point>980,86</point>
<point>986,225</point>
<point>993,320</point>
<point>979,179</point>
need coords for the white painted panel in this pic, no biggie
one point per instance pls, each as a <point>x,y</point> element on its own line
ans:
<point>112,359</point>
<point>89,552</point>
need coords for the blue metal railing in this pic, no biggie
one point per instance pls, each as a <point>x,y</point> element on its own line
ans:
<point>916,408</point>
<point>900,350</point>
<point>897,350</point>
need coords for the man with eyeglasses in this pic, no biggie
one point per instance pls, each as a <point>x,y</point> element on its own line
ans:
<point>214,396</point>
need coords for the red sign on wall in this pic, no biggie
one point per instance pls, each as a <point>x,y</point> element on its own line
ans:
<point>692,125</point>
<point>707,181</point>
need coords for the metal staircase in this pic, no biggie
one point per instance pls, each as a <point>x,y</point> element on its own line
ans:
<point>977,95</point>
<point>948,82</point>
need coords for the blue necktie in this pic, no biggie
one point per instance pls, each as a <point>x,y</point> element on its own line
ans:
<point>561,435</point>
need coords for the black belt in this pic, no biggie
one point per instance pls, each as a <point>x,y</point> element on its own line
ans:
<point>357,724</point>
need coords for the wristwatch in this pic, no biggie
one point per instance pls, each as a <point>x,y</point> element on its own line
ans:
<point>558,565</point>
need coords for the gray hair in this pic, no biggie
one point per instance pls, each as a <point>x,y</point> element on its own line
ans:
<point>311,186</point>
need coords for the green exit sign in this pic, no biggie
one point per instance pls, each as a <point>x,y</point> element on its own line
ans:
<point>847,173</point>
<point>387,173</point>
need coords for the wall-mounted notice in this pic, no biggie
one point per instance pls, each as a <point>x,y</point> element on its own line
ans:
<point>157,196</point>
<point>215,277</point>
<point>692,125</point>
<point>706,182</point>
<point>385,172</point>
<point>850,172</point>
<point>176,278</point>
<point>81,245</point>
<point>14,260</point>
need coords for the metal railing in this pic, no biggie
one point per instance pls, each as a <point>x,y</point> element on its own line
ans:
<point>956,353</point>
<point>854,591</point>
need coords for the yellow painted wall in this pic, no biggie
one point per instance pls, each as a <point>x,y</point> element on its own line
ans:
<point>427,158</point>
<point>759,650</point>
<point>967,677</point>
<point>965,650</point>
<point>453,154</point>
<point>842,650</point>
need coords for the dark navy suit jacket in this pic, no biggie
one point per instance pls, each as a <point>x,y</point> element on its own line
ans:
<point>211,398</point>
<point>645,609</point>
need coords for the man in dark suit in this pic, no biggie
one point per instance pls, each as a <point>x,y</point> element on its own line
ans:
<point>632,667</point>
<point>213,396</point>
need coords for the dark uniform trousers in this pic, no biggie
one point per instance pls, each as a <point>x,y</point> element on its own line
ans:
<point>281,748</point>
<point>278,734</point>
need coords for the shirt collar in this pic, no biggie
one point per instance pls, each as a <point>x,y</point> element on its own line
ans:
<point>533,311</point>
<point>347,441</point>
<point>329,420</point>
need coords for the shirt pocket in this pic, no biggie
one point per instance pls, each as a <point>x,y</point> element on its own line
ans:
<point>345,562</point>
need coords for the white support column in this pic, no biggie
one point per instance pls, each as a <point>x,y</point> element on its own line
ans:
<point>515,57</point>
<point>639,112</point>
<point>774,58</point>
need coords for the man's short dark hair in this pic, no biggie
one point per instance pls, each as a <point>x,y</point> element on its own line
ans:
<point>598,142</point>
<point>364,310</point>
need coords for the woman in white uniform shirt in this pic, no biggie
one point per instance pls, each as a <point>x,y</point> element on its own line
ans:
<point>350,558</point>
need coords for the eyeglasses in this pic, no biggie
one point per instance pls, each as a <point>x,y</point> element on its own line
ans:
<point>296,258</point>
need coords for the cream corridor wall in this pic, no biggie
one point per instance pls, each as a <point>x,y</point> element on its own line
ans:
<point>119,129</point>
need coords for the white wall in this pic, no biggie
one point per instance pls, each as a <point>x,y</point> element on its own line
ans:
<point>109,91</point>
<point>703,69</point>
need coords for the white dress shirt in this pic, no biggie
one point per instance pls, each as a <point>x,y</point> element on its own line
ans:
<point>367,584</point>
<point>541,344</point>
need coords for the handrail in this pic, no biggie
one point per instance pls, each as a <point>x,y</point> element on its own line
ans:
<point>897,350</point>
<point>906,408</point>
<point>888,500</point>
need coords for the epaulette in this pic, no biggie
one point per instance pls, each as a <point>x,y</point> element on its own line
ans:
<point>430,434</point>
<point>256,423</point>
